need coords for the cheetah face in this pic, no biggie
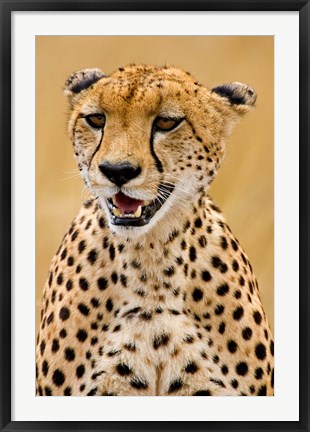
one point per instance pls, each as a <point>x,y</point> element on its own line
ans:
<point>148,139</point>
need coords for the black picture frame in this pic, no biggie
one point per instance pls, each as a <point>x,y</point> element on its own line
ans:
<point>7,7</point>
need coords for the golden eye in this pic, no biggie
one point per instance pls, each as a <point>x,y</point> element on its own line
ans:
<point>166,124</point>
<point>96,121</point>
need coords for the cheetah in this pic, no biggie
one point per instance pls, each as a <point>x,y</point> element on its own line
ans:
<point>150,293</point>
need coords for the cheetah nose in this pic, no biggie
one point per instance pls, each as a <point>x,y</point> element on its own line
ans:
<point>119,174</point>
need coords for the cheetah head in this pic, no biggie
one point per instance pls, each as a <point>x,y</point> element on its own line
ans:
<point>149,139</point>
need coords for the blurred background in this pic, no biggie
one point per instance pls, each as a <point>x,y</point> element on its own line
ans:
<point>243,188</point>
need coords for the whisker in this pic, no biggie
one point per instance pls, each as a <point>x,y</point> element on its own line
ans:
<point>166,195</point>
<point>178,189</point>
<point>73,176</point>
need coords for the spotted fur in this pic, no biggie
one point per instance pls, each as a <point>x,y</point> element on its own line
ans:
<point>170,308</point>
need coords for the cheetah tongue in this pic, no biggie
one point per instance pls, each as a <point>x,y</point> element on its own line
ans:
<point>127,204</point>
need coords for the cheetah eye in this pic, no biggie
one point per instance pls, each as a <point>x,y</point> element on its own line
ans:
<point>96,121</point>
<point>166,124</point>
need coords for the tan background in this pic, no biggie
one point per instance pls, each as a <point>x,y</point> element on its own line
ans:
<point>244,186</point>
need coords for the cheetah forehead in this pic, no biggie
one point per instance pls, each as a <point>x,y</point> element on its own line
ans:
<point>138,81</point>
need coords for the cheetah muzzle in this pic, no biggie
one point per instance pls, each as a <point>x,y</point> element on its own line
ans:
<point>126,211</point>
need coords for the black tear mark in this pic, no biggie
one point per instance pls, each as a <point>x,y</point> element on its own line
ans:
<point>158,163</point>
<point>97,148</point>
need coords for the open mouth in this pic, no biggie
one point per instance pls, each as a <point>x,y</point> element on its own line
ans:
<point>127,211</point>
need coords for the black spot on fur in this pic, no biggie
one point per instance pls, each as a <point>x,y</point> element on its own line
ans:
<point>50,318</point>
<point>222,327</point>
<point>224,370</point>
<point>247,333</point>
<point>95,302</point>
<point>130,347</point>
<point>81,246</point>
<point>203,393</point>
<point>58,378</point>
<point>146,316</point>
<point>242,368</point>
<point>81,335</point>
<point>238,313</point>
<point>219,309</point>
<point>55,345</point>
<point>257,317</point>
<point>92,256</point>
<point>232,346</point>
<point>237,294</point>
<point>139,384</point>
<point>80,370</point>
<point>218,382</point>
<point>114,277</point>
<point>235,266</point>
<point>123,369</point>
<point>70,261</point>
<point>259,373</point>
<point>191,368</point>
<point>83,309</point>
<point>59,279</point>
<point>198,223</point>
<point>112,252</point>
<point>69,354</point>
<point>45,368</point>
<point>234,383</point>
<point>219,264</point>
<point>169,271</point>
<point>69,285</point>
<point>102,283</point>
<point>205,276</point>
<point>67,391</point>
<point>161,340</point>
<point>92,392</point>
<point>197,294</point>
<point>234,245</point>
<point>262,391</point>
<point>83,284</point>
<point>175,385</point>
<point>64,313</point>
<point>131,312</point>
<point>101,222</point>
<point>192,254</point>
<point>63,333</point>
<point>260,351</point>
<point>123,280</point>
<point>224,243</point>
<point>202,241</point>
<point>222,290</point>
<point>109,305</point>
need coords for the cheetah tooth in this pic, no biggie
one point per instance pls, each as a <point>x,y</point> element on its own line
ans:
<point>116,211</point>
<point>138,212</point>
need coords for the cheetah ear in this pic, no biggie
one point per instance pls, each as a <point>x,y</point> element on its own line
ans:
<point>239,95</point>
<point>81,80</point>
